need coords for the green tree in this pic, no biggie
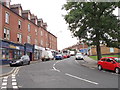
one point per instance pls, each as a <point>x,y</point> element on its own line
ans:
<point>94,22</point>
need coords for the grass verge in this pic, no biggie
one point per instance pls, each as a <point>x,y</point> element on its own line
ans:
<point>95,57</point>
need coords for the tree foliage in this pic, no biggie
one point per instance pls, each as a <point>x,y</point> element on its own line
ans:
<point>94,22</point>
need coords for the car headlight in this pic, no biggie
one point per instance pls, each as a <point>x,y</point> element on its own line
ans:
<point>17,61</point>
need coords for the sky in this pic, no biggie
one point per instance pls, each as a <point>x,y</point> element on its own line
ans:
<point>51,13</point>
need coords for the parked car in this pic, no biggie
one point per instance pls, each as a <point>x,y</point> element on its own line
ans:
<point>24,60</point>
<point>59,57</point>
<point>79,56</point>
<point>109,63</point>
<point>65,56</point>
<point>47,55</point>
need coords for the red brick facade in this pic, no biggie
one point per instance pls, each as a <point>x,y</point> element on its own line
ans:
<point>43,40</point>
<point>20,27</point>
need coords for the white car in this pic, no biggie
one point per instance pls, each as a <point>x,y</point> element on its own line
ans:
<point>79,56</point>
<point>47,55</point>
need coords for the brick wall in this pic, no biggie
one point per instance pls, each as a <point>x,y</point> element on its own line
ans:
<point>104,50</point>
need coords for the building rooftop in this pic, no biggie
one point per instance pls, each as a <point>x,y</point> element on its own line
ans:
<point>15,6</point>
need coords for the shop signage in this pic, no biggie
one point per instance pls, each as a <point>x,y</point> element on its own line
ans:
<point>11,46</point>
<point>29,48</point>
<point>4,44</point>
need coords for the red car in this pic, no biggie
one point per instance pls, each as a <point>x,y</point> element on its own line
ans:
<point>109,63</point>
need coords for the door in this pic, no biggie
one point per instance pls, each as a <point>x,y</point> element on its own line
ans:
<point>110,64</point>
<point>103,63</point>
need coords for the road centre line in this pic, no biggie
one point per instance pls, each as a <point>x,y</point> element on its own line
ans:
<point>81,79</point>
<point>75,76</point>
<point>76,62</point>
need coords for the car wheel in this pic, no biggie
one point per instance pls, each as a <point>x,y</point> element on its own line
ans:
<point>11,65</point>
<point>99,67</point>
<point>117,70</point>
<point>21,63</point>
<point>28,62</point>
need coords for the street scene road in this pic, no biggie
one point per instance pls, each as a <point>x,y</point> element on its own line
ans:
<point>59,44</point>
<point>66,73</point>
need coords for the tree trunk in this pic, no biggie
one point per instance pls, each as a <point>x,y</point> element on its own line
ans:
<point>98,49</point>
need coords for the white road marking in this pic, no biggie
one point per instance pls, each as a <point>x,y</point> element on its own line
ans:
<point>5,77</point>
<point>4,80</point>
<point>4,83</point>
<point>81,79</point>
<point>13,77</point>
<point>14,83</point>
<point>76,62</point>
<point>13,80</point>
<point>92,68</point>
<point>15,87</point>
<point>56,69</point>
<point>4,87</point>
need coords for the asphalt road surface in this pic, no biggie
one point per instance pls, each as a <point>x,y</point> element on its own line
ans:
<point>66,73</point>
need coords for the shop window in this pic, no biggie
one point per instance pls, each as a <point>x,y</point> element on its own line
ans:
<point>7,17</point>
<point>19,24</point>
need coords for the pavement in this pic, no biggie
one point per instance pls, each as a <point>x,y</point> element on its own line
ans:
<point>87,62</point>
<point>7,70</point>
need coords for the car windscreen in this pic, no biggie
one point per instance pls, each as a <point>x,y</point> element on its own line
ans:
<point>117,60</point>
<point>78,54</point>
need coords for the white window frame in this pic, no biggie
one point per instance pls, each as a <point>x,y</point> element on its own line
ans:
<point>41,42</point>
<point>36,42</point>
<point>41,33</point>
<point>7,4</point>
<point>29,27</point>
<point>36,31</point>
<point>20,12</point>
<point>7,17</point>
<point>19,36</point>
<point>36,21</point>
<point>29,16</point>
<point>28,39</point>
<point>7,32</point>
<point>20,23</point>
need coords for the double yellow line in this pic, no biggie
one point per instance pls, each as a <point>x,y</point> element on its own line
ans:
<point>13,71</point>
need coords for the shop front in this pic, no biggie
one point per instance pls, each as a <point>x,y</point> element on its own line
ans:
<point>10,51</point>
<point>29,50</point>
<point>37,52</point>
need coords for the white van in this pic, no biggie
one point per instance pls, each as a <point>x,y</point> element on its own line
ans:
<point>47,55</point>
